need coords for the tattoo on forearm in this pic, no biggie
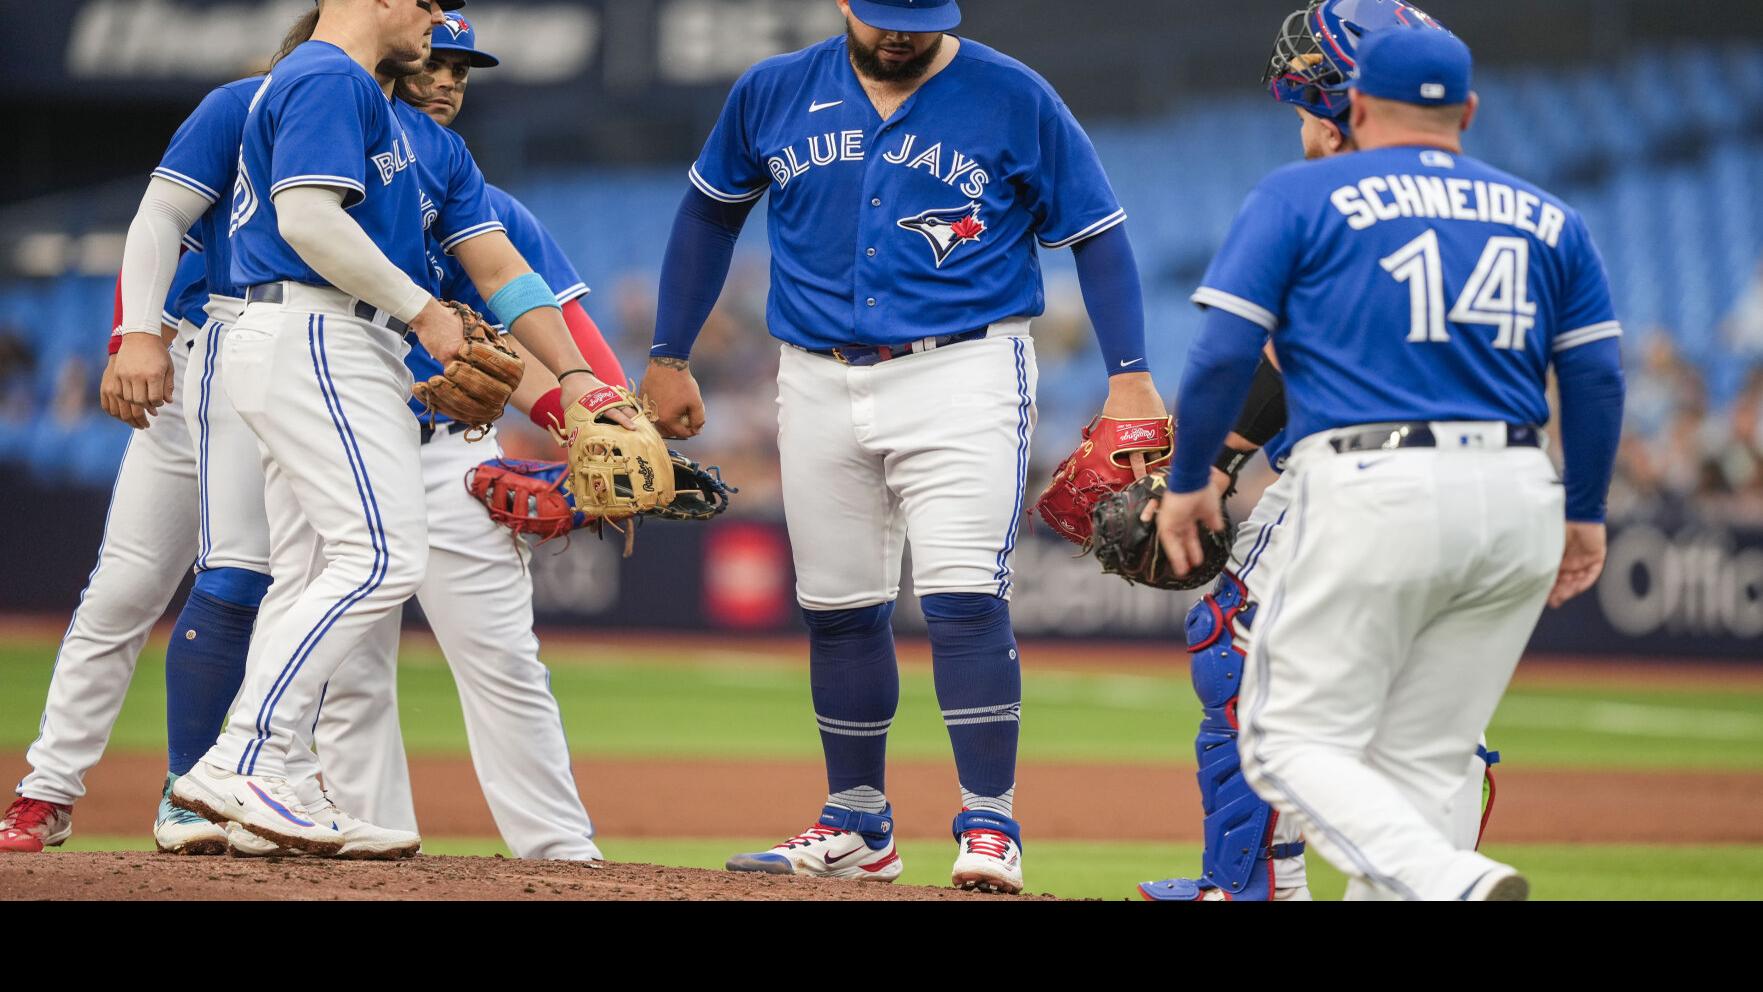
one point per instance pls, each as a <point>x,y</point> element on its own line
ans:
<point>670,363</point>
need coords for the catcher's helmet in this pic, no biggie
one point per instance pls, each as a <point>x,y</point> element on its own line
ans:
<point>1315,56</point>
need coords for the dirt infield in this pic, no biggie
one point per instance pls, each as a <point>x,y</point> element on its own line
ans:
<point>1055,801</point>
<point>136,875</point>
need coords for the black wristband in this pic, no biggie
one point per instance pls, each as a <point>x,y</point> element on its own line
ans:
<point>562,375</point>
<point>1231,461</point>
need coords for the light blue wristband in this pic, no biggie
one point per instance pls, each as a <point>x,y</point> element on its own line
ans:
<point>523,293</point>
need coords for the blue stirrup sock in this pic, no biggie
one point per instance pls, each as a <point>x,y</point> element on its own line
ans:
<point>979,689</point>
<point>855,684</point>
<point>205,662</point>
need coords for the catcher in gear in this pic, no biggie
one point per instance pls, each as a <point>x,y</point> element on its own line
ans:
<point>475,386</point>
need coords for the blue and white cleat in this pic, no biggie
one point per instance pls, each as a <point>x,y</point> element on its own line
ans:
<point>988,853</point>
<point>843,843</point>
<point>179,831</point>
<point>264,805</point>
<point>1193,890</point>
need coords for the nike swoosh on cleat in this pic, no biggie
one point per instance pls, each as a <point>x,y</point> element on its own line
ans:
<point>815,108</point>
<point>847,854</point>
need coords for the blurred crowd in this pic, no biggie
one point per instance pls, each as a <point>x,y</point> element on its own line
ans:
<point>1685,455</point>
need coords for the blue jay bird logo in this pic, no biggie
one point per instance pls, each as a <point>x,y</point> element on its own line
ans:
<point>947,229</point>
<point>455,24</point>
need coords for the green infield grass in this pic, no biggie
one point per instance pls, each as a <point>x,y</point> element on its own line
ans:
<point>1092,870</point>
<point>742,703</point>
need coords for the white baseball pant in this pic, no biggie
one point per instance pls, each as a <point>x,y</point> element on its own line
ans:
<point>233,529</point>
<point>931,448</point>
<point>324,392</point>
<point>149,539</point>
<point>1413,582</point>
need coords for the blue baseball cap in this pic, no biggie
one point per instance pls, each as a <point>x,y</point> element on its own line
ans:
<point>1430,68</point>
<point>911,16</point>
<point>455,34</point>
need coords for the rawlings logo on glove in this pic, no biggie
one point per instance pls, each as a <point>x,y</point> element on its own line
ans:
<point>1113,454</point>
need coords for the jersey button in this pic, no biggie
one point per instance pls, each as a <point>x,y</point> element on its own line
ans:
<point>870,301</point>
<point>875,202</point>
<point>870,253</point>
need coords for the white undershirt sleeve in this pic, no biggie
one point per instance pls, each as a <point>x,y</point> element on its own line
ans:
<point>313,223</point>
<point>150,252</point>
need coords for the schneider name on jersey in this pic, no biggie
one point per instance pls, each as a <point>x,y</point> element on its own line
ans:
<point>1411,284</point>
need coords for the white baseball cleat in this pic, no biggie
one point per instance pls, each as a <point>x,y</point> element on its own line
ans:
<point>264,805</point>
<point>179,831</point>
<point>1502,883</point>
<point>364,841</point>
<point>242,843</point>
<point>990,856</point>
<point>843,843</point>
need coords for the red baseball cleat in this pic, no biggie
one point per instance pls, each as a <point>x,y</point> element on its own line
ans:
<point>32,824</point>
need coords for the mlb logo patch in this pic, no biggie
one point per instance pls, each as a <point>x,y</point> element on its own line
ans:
<point>1432,91</point>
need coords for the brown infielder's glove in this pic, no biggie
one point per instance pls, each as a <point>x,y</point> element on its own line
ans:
<point>474,387</point>
<point>615,472</point>
<point>1127,546</point>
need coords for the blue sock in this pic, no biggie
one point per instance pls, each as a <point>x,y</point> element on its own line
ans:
<point>979,689</point>
<point>856,688</point>
<point>205,662</point>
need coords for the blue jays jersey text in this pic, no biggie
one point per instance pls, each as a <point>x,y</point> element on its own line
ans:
<point>1411,284</point>
<point>925,224</point>
<point>534,243</point>
<point>204,156</point>
<point>319,119</point>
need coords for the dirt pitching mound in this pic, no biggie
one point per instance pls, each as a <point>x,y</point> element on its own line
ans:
<point>136,875</point>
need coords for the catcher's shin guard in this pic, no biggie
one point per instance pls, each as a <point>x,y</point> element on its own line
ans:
<point>1239,853</point>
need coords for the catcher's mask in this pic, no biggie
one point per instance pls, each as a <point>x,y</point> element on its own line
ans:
<point>1316,54</point>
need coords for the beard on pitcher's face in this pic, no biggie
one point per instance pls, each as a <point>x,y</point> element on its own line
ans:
<point>891,56</point>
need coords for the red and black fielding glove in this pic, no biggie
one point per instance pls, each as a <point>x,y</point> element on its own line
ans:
<point>1113,454</point>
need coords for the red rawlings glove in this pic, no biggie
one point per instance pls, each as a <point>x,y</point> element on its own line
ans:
<point>1113,454</point>
<point>525,496</point>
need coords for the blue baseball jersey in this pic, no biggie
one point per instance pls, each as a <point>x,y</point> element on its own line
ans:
<point>204,157</point>
<point>189,292</point>
<point>925,224</point>
<point>534,243</point>
<point>1410,284</point>
<point>319,119</point>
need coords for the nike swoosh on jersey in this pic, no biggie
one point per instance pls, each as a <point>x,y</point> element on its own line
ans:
<point>1133,362</point>
<point>815,108</point>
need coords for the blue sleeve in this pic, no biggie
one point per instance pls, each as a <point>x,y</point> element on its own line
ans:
<point>728,169</point>
<point>1109,277</point>
<point>1253,271</point>
<point>1591,384</point>
<point>694,269</point>
<point>1067,191</point>
<point>464,211</point>
<point>320,134</point>
<point>1586,313</point>
<point>205,150</point>
<point>1221,367</point>
<point>538,247</point>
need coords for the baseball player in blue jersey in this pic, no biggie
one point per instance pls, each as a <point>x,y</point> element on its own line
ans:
<point>477,592</point>
<point>911,175</point>
<point>1428,526</point>
<point>329,230</point>
<point>1251,852</point>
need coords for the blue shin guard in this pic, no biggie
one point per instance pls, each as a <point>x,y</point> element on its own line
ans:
<point>205,661</point>
<point>1239,855</point>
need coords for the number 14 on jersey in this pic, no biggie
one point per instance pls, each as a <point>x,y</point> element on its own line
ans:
<point>1496,295</point>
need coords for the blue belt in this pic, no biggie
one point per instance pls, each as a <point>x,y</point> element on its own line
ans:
<point>875,354</point>
<point>271,292</point>
<point>1419,434</point>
